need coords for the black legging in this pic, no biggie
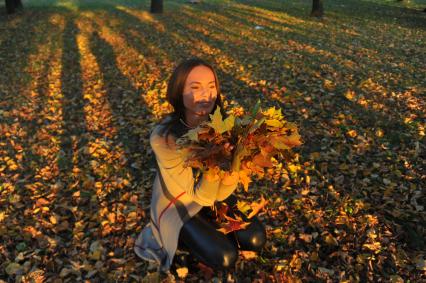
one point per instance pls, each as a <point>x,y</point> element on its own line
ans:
<point>200,237</point>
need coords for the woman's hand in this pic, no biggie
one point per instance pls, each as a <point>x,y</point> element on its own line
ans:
<point>230,178</point>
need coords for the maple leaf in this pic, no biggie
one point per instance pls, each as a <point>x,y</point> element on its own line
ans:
<point>244,179</point>
<point>286,142</point>
<point>274,123</point>
<point>247,255</point>
<point>257,206</point>
<point>243,206</point>
<point>182,272</point>
<point>219,125</point>
<point>233,225</point>
<point>266,149</point>
<point>273,113</point>
<point>261,160</point>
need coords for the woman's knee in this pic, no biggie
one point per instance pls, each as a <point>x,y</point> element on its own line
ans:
<point>252,238</point>
<point>228,257</point>
<point>257,239</point>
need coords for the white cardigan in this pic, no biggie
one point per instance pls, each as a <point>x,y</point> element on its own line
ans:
<point>175,199</point>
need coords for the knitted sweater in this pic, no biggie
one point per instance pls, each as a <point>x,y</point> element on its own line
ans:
<point>176,197</point>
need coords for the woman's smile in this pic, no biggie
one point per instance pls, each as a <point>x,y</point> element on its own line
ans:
<point>205,104</point>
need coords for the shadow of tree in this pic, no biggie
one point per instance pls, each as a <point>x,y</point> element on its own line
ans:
<point>325,116</point>
<point>374,11</point>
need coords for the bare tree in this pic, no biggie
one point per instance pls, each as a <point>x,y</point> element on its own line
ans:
<point>317,8</point>
<point>11,5</point>
<point>157,6</point>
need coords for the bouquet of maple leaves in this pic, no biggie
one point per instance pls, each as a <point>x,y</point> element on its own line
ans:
<point>259,138</point>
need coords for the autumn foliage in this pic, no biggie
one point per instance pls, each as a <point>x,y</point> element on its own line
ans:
<point>82,84</point>
<point>248,144</point>
<point>262,137</point>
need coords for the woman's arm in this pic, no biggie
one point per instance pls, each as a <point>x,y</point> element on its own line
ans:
<point>178,178</point>
<point>230,181</point>
<point>228,185</point>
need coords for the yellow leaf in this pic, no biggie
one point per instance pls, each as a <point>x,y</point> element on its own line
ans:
<point>273,113</point>
<point>350,95</point>
<point>243,206</point>
<point>182,272</point>
<point>379,133</point>
<point>2,216</point>
<point>374,246</point>
<point>296,263</point>
<point>293,168</point>
<point>330,240</point>
<point>219,125</point>
<point>53,219</point>
<point>257,206</point>
<point>329,85</point>
<point>352,133</point>
<point>274,123</point>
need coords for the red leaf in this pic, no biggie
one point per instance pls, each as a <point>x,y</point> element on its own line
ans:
<point>233,225</point>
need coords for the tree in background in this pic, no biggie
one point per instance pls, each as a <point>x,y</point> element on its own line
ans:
<point>157,6</point>
<point>317,8</point>
<point>11,5</point>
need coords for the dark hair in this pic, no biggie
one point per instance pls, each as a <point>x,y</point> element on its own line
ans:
<point>174,96</point>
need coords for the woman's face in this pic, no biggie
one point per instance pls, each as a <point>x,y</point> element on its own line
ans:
<point>199,93</point>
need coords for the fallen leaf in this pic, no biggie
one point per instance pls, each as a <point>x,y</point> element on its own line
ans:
<point>248,254</point>
<point>182,272</point>
<point>13,268</point>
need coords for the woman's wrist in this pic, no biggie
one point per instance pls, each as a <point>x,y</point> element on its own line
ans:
<point>230,178</point>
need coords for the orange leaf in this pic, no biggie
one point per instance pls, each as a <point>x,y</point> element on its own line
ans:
<point>267,149</point>
<point>244,179</point>
<point>257,206</point>
<point>182,272</point>
<point>261,160</point>
<point>286,142</point>
<point>248,254</point>
<point>233,225</point>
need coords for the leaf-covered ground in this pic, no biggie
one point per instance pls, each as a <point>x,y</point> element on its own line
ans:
<point>83,82</point>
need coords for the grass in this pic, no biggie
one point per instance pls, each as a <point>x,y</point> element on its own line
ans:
<point>83,82</point>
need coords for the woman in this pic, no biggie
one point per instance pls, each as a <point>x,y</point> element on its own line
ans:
<point>180,213</point>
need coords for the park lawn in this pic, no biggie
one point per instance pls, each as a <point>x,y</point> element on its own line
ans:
<point>83,82</point>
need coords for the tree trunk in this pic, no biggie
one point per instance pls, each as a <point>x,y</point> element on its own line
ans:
<point>317,8</point>
<point>18,4</point>
<point>10,6</point>
<point>157,6</point>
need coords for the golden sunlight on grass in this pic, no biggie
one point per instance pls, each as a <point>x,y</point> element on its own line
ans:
<point>144,16</point>
<point>82,84</point>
